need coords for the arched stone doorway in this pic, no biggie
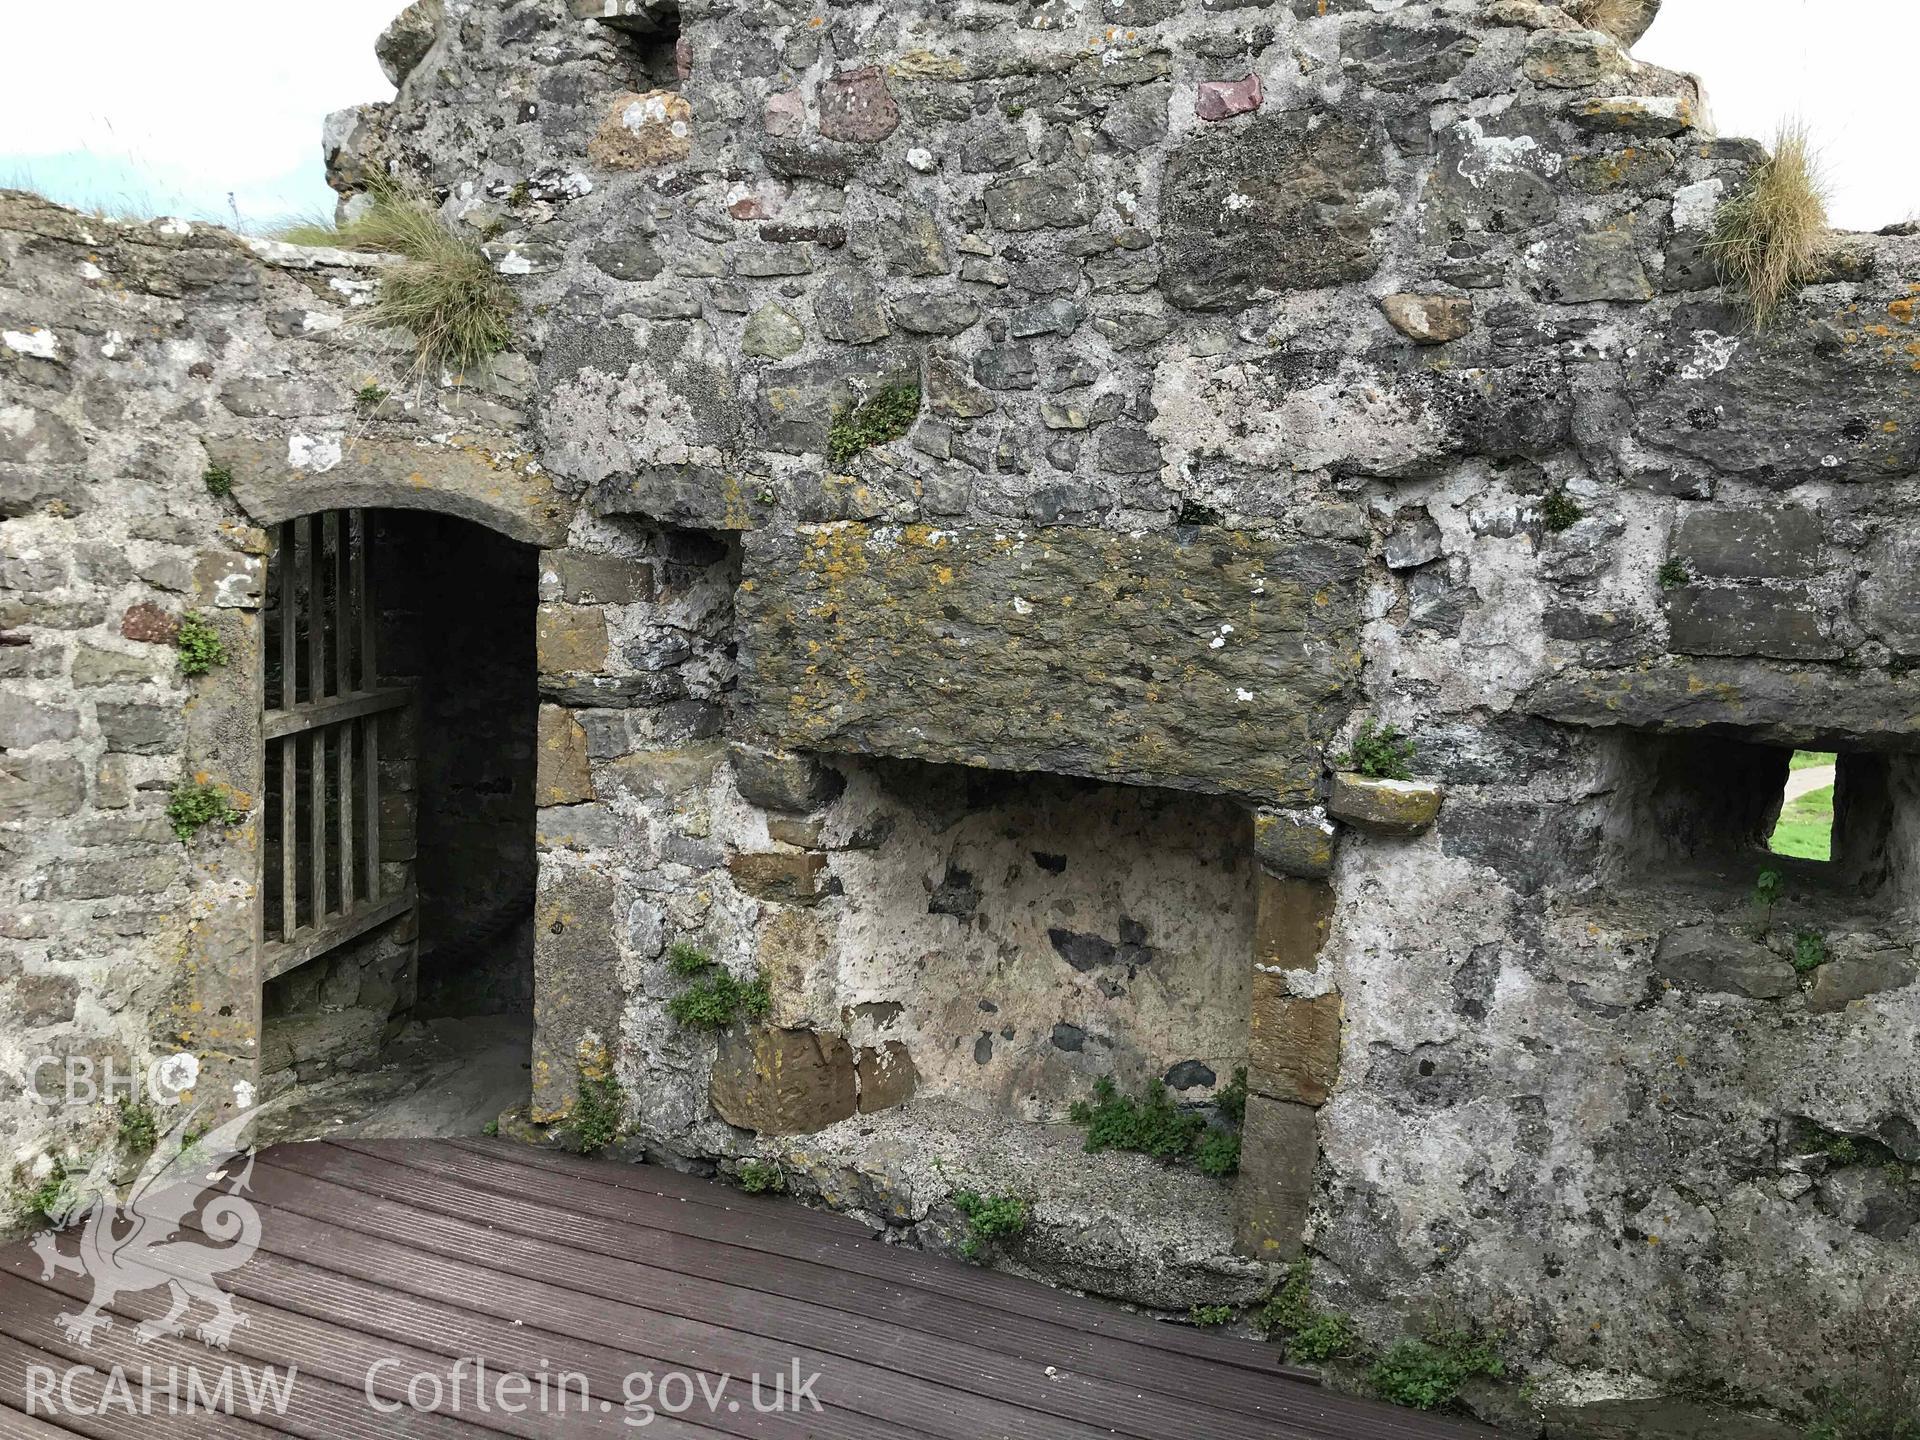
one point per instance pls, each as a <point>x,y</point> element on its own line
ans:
<point>397,865</point>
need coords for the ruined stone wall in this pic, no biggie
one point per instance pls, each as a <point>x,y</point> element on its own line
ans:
<point>167,390</point>
<point>1279,364</point>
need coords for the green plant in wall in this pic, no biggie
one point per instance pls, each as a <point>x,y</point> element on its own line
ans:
<point>368,398</point>
<point>1231,1098</point>
<point>48,1201</point>
<point>139,1126</point>
<point>990,1219</point>
<point>715,998</point>
<point>193,806</point>
<point>1217,1153</point>
<point>218,480</point>
<point>884,418</point>
<point>199,645</point>
<point>1561,511</point>
<point>1210,1317</point>
<point>1428,1373</point>
<point>1379,752</point>
<point>599,1105</point>
<point>759,1177</point>
<point>1153,1125</point>
<point>1309,1334</point>
<point>1674,574</point>
<point>1809,951</point>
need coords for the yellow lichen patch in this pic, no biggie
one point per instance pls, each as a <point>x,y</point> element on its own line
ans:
<point>1902,310</point>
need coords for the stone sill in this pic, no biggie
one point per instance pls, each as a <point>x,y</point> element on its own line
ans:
<point>1118,1225</point>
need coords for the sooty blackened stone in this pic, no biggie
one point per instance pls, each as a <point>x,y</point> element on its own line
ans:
<point>1189,1073</point>
<point>955,895</point>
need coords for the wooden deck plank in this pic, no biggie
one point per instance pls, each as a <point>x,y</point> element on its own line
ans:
<point>569,1293</point>
<point>345,1357</point>
<point>1127,1409</point>
<point>509,1342</point>
<point>580,1220</point>
<point>938,1281</point>
<point>428,1254</point>
<point>110,1422</point>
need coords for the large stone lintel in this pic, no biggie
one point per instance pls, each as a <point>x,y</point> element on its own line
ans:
<point>1209,661</point>
<point>1812,707</point>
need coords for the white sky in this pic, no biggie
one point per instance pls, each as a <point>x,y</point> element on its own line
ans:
<point>1846,67</point>
<point>169,105</point>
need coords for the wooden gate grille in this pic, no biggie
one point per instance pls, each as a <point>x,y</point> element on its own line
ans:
<point>321,877</point>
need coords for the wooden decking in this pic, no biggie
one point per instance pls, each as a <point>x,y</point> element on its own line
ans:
<point>404,1259</point>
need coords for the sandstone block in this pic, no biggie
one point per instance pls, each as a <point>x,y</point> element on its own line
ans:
<point>1279,1148</point>
<point>1223,99</point>
<point>1291,920</point>
<point>856,106</point>
<point>563,775</point>
<point>791,946</point>
<point>1573,60</point>
<point>887,1077</point>
<point>147,621</point>
<point>570,639</point>
<point>780,780</point>
<point>1643,116</point>
<point>1055,199</point>
<point>1297,843</point>
<point>576,995</point>
<point>25,722</point>
<point>1276,203</point>
<point>583,579</point>
<point>40,789</point>
<point>772,332</point>
<point>1384,807</point>
<point>1782,622</point>
<point>951,638</point>
<point>1295,1052</point>
<point>407,38</point>
<point>1779,542</point>
<point>1839,983</point>
<point>782,1082</point>
<point>791,877</point>
<point>643,132</point>
<point>140,729</point>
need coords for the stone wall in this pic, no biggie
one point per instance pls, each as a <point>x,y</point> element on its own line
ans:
<point>1278,365</point>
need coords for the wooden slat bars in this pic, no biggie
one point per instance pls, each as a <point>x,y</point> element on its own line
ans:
<point>324,706</point>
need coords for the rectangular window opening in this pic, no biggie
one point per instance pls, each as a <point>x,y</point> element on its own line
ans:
<point>1804,830</point>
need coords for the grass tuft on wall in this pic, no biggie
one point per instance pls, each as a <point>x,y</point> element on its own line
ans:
<point>1625,20</point>
<point>446,292</point>
<point>1767,239</point>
